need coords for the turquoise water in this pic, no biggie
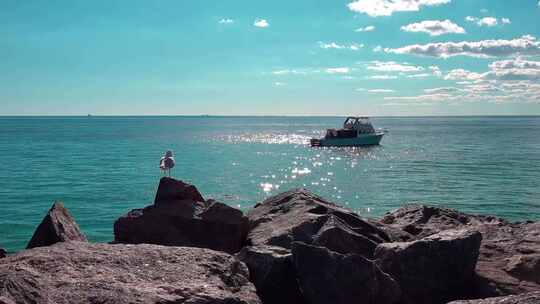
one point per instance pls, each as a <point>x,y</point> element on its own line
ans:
<point>103,166</point>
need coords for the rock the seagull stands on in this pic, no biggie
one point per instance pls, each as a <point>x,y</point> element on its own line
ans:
<point>181,217</point>
<point>57,226</point>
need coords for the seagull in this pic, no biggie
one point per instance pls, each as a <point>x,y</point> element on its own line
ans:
<point>167,163</point>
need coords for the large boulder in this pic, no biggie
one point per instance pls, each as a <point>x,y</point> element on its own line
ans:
<point>299,215</point>
<point>57,226</point>
<point>526,298</point>
<point>330,277</point>
<point>78,272</point>
<point>180,217</point>
<point>508,254</point>
<point>435,269</point>
<point>272,271</point>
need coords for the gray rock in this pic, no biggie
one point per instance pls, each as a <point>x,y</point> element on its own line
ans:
<point>183,221</point>
<point>273,274</point>
<point>329,277</point>
<point>502,243</point>
<point>79,272</point>
<point>525,267</point>
<point>57,226</point>
<point>435,269</point>
<point>526,298</point>
<point>299,215</point>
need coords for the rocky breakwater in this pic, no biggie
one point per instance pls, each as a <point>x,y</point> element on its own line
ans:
<point>509,257</point>
<point>180,216</point>
<point>80,272</point>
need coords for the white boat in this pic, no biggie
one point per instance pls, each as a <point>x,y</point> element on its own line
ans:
<point>357,131</point>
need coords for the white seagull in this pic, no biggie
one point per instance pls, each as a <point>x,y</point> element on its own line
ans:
<point>167,163</point>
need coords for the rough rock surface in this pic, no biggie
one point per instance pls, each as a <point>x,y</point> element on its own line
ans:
<point>57,226</point>
<point>180,218</point>
<point>272,272</point>
<point>526,298</point>
<point>79,272</point>
<point>508,254</point>
<point>435,269</point>
<point>3,253</point>
<point>299,215</point>
<point>330,277</point>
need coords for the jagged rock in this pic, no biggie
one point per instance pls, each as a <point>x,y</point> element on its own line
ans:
<point>171,190</point>
<point>57,226</point>
<point>526,298</point>
<point>4,300</point>
<point>435,269</point>
<point>272,272</point>
<point>183,221</point>
<point>299,215</point>
<point>502,243</point>
<point>329,277</point>
<point>3,253</point>
<point>79,272</point>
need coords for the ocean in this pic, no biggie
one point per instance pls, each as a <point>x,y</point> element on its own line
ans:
<point>101,167</point>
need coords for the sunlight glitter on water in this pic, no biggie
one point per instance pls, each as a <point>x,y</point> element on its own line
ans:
<point>267,138</point>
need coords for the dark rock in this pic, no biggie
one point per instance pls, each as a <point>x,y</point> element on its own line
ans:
<point>526,298</point>
<point>57,226</point>
<point>435,269</point>
<point>329,277</point>
<point>171,190</point>
<point>299,215</point>
<point>502,243</point>
<point>185,222</point>
<point>3,253</point>
<point>273,274</point>
<point>78,272</point>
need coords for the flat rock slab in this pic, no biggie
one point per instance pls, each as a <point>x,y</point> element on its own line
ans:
<point>57,226</point>
<point>526,298</point>
<point>79,272</point>
<point>435,269</point>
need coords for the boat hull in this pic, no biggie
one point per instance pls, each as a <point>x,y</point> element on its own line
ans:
<point>363,140</point>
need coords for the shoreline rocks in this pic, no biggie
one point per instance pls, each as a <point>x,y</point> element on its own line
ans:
<point>80,272</point>
<point>526,298</point>
<point>57,226</point>
<point>3,253</point>
<point>292,248</point>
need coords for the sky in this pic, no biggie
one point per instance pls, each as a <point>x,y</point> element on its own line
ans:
<point>293,57</point>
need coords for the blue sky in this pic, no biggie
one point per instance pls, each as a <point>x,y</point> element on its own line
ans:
<point>372,57</point>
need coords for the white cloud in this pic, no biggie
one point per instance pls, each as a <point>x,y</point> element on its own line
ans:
<point>434,27</point>
<point>391,66</point>
<point>337,70</point>
<point>279,84</point>
<point>375,8</point>
<point>435,70</point>
<point>261,23</point>
<point>381,91</point>
<point>368,28</point>
<point>422,75</point>
<point>333,45</point>
<point>437,97</point>
<point>443,90</point>
<point>526,45</point>
<point>487,21</point>
<point>381,77</point>
<point>288,72</point>
<point>226,21</point>
<point>461,74</point>
<point>515,69</point>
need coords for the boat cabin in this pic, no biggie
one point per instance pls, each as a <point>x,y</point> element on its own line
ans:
<point>352,127</point>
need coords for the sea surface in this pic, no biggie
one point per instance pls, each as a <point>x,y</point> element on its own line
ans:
<point>101,167</point>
